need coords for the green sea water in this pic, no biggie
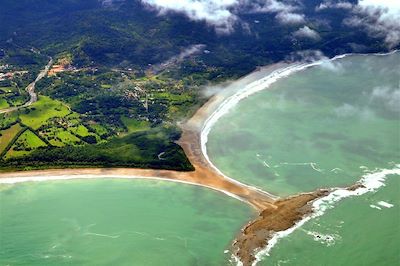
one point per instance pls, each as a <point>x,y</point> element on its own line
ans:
<point>118,222</point>
<point>325,126</point>
<point>316,128</point>
<point>352,233</point>
<point>313,129</point>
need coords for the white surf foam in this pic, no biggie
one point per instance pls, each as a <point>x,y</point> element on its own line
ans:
<point>254,87</point>
<point>370,182</point>
<point>249,89</point>
<point>375,207</point>
<point>326,239</point>
<point>233,100</point>
<point>373,181</point>
<point>385,204</point>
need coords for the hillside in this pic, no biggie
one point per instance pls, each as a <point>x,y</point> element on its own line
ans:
<point>126,72</point>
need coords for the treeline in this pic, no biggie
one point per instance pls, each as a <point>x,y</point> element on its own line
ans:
<point>138,150</point>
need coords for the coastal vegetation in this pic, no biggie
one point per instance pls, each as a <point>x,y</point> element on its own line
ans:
<point>131,76</point>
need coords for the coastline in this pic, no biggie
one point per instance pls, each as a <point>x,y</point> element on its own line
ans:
<point>204,175</point>
<point>260,235</point>
<point>316,207</point>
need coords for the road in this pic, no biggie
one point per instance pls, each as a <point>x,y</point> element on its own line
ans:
<point>31,90</point>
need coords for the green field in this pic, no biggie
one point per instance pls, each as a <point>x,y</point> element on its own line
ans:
<point>41,111</point>
<point>6,89</point>
<point>134,125</point>
<point>3,103</point>
<point>60,137</point>
<point>99,129</point>
<point>67,138</point>
<point>80,130</point>
<point>8,119</point>
<point>8,135</point>
<point>27,142</point>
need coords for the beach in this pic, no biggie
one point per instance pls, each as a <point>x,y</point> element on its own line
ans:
<point>276,214</point>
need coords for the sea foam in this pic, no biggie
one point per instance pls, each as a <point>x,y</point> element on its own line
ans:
<point>249,89</point>
<point>370,182</point>
<point>256,86</point>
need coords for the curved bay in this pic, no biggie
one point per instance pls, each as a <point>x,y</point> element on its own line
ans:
<point>120,222</point>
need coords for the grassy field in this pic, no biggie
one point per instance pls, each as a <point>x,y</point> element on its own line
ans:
<point>8,135</point>
<point>3,103</point>
<point>173,97</point>
<point>26,143</point>
<point>67,138</point>
<point>80,130</point>
<point>6,89</point>
<point>43,110</point>
<point>139,149</point>
<point>59,137</point>
<point>134,125</point>
<point>8,119</point>
<point>99,129</point>
<point>106,86</point>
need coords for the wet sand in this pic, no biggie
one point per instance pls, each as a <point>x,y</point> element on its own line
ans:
<point>204,174</point>
<point>283,215</point>
<point>274,214</point>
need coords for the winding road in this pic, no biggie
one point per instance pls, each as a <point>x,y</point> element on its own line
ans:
<point>31,90</point>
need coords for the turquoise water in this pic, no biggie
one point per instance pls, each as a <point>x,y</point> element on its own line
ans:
<point>361,235</point>
<point>315,128</point>
<point>119,222</point>
<point>323,127</point>
<point>320,127</point>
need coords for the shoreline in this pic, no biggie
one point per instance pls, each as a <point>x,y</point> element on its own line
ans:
<point>369,182</point>
<point>204,175</point>
<point>277,218</point>
<point>254,86</point>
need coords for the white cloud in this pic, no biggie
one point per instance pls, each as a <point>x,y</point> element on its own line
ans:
<point>393,6</point>
<point>285,13</point>
<point>290,18</point>
<point>390,97</point>
<point>380,18</point>
<point>348,110</point>
<point>307,56</point>
<point>110,3</point>
<point>317,55</point>
<point>222,14</point>
<point>333,66</point>
<point>269,6</point>
<point>214,12</point>
<point>338,5</point>
<point>189,51</point>
<point>306,32</point>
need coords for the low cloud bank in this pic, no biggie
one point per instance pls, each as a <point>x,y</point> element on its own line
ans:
<point>223,14</point>
<point>379,18</point>
<point>215,12</point>
<point>306,32</point>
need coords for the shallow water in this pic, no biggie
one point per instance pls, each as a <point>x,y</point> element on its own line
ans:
<point>316,128</point>
<point>322,127</point>
<point>120,222</point>
<point>358,231</point>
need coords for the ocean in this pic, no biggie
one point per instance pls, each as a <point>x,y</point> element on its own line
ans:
<point>327,125</point>
<point>305,127</point>
<point>117,222</point>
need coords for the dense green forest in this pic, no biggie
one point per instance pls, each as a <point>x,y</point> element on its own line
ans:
<point>129,74</point>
